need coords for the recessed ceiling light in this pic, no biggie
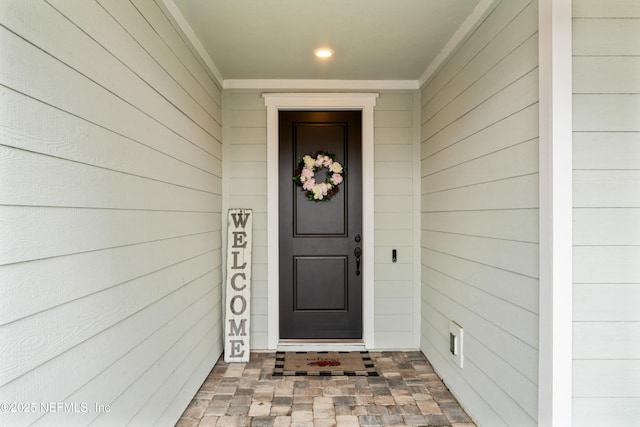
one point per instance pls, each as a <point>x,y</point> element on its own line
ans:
<point>323,52</point>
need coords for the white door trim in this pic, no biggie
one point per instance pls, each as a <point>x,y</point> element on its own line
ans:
<point>275,102</point>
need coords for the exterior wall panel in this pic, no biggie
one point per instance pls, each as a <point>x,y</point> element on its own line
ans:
<point>606,151</point>
<point>395,189</point>
<point>245,147</point>
<point>479,225</point>
<point>110,213</point>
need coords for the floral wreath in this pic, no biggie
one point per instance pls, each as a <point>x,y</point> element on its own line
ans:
<point>305,175</point>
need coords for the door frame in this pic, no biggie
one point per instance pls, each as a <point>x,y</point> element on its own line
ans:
<point>364,102</point>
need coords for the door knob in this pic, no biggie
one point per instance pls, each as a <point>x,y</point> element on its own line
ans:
<point>357,252</point>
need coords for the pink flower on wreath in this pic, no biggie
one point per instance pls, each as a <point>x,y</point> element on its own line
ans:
<point>336,178</point>
<point>319,160</point>
<point>309,184</point>
<point>326,162</point>
<point>306,174</point>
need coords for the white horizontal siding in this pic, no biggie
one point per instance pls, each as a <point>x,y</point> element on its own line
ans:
<point>245,140</point>
<point>479,204</point>
<point>66,231</point>
<point>110,213</point>
<point>606,290</point>
<point>601,410</point>
<point>498,402</point>
<point>395,189</point>
<point>394,192</point>
<point>621,337</point>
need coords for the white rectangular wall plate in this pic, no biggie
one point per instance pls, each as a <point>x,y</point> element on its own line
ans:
<point>456,340</point>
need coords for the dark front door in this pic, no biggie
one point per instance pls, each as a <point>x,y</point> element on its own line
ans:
<point>320,272</point>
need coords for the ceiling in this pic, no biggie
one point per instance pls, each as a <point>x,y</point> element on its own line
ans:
<point>372,39</point>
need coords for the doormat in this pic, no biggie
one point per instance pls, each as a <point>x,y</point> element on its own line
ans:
<point>324,363</point>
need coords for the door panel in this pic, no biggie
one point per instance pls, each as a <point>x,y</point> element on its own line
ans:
<point>325,292</point>
<point>320,285</point>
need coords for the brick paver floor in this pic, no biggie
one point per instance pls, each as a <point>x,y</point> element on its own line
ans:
<point>408,392</point>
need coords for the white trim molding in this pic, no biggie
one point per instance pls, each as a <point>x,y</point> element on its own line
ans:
<point>275,102</point>
<point>468,26</point>
<point>556,207</point>
<point>320,84</point>
<point>180,20</point>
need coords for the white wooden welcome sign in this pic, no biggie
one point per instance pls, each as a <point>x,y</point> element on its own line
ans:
<point>238,285</point>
